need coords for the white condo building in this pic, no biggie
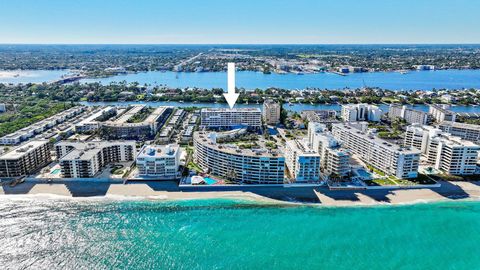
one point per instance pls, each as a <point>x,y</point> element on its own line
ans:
<point>361,112</point>
<point>442,113</point>
<point>249,166</point>
<point>390,158</point>
<point>231,118</point>
<point>302,162</point>
<point>159,161</point>
<point>469,132</point>
<point>333,159</point>
<point>445,152</point>
<point>411,116</point>
<point>86,159</point>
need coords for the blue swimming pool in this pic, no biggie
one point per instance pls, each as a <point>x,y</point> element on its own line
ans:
<point>364,174</point>
<point>210,181</point>
<point>56,171</point>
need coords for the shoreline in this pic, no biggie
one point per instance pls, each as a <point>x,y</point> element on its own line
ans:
<point>315,196</point>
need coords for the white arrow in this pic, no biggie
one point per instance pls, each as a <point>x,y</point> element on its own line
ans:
<point>231,96</point>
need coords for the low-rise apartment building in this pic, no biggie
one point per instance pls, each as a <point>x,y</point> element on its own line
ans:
<point>92,122</point>
<point>121,128</point>
<point>324,116</point>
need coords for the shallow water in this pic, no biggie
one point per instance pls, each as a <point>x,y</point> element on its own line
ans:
<point>218,234</point>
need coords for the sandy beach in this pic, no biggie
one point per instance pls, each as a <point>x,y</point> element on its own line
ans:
<point>448,191</point>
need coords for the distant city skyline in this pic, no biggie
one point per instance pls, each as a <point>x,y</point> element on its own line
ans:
<point>239,22</point>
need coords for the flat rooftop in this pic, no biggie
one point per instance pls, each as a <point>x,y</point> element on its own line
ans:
<point>376,140</point>
<point>84,154</point>
<point>158,150</point>
<point>231,110</point>
<point>128,114</point>
<point>231,148</point>
<point>23,149</point>
<point>460,125</point>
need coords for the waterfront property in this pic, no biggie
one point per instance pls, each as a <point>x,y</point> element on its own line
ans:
<point>243,166</point>
<point>302,162</point>
<point>335,161</point>
<point>25,159</point>
<point>159,162</point>
<point>124,128</point>
<point>442,113</point>
<point>443,151</point>
<point>86,159</point>
<point>392,159</point>
<point>92,122</point>
<point>410,115</point>
<point>360,112</point>
<point>223,118</point>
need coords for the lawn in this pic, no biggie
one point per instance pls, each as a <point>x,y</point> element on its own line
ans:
<point>375,170</point>
<point>380,182</point>
<point>422,179</point>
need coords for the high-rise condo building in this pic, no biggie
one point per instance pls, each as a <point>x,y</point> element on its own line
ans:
<point>442,113</point>
<point>86,159</point>
<point>390,158</point>
<point>469,132</point>
<point>411,116</point>
<point>25,159</point>
<point>225,118</point>
<point>271,112</point>
<point>445,152</point>
<point>249,166</point>
<point>333,159</point>
<point>159,161</point>
<point>302,162</point>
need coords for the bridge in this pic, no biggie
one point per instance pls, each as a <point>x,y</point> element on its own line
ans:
<point>68,79</point>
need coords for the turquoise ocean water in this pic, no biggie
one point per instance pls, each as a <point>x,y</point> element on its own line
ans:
<point>226,234</point>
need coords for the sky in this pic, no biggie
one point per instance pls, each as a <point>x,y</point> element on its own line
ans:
<point>239,21</point>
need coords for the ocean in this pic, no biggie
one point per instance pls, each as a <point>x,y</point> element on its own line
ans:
<point>232,234</point>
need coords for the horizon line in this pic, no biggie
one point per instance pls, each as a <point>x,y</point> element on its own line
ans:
<point>223,44</point>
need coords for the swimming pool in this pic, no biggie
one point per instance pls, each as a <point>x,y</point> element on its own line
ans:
<point>56,171</point>
<point>364,174</point>
<point>210,181</point>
